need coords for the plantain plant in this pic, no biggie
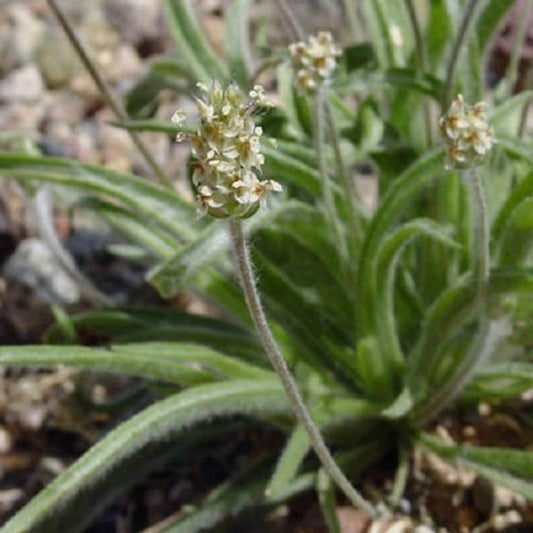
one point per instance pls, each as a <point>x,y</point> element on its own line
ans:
<point>376,314</point>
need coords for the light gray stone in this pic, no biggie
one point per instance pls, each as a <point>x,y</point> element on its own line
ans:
<point>33,265</point>
<point>22,85</point>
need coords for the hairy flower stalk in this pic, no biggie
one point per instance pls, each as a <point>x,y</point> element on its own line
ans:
<point>228,156</point>
<point>314,62</point>
<point>278,362</point>
<point>470,138</point>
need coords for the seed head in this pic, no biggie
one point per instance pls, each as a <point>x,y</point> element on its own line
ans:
<point>314,61</point>
<point>227,151</point>
<point>467,133</point>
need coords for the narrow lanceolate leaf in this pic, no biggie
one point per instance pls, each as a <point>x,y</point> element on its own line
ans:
<point>438,32</point>
<point>186,364</point>
<point>232,498</point>
<point>395,202</point>
<point>413,79</point>
<point>143,324</point>
<point>149,200</point>
<point>125,221</point>
<point>326,496</point>
<point>508,107</point>
<point>171,277</point>
<point>501,380</point>
<point>517,240</point>
<point>521,192</point>
<point>503,466</point>
<point>245,490</point>
<point>238,42</point>
<point>383,279</point>
<point>191,41</point>
<point>453,309</point>
<point>160,421</point>
<point>517,148</point>
<point>220,365</point>
<point>291,170</point>
<point>289,461</point>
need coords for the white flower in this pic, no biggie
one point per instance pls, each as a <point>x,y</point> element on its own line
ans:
<point>467,132</point>
<point>227,148</point>
<point>314,61</point>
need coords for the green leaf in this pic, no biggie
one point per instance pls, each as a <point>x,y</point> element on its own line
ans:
<point>142,324</point>
<point>517,148</point>
<point>289,461</point>
<point>223,366</point>
<point>400,406</point>
<point>229,500</point>
<point>85,507</point>
<point>503,466</point>
<point>150,237</point>
<point>328,504</point>
<point>169,73</point>
<point>147,199</point>
<point>452,310</point>
<point>172,276</point>
<point>238,42</point>
<point>367,131</point>
<point>317,280</point>
<point>397,199</point>
<point>384,276</point>
<point>378,21</point>
<point>520,193</point>
<point>191,42</point>
<point>186,364</point>
<point>510,107</point>
<point>410,78</point>
<point>489,20</point>
<point>358,56</point>
<point>291,170</point>
<point>438,31</point>
<point>158,422</point>
<point>370,369</point>
<point>500,381</point>
<point>288,97</point>
<point>517,240</point>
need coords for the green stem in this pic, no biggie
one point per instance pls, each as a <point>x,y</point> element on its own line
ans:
<point>466,21</point>
<point>480,349</point>
<point>327,190</point>
<point>292,21</point>
<point>348,185</point>
<point>106,93</point>
<point>270,345</point>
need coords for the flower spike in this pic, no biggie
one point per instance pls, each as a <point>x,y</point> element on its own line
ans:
<point>227,149</point>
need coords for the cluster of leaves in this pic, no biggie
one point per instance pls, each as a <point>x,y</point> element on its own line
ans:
<point>374,334</point>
